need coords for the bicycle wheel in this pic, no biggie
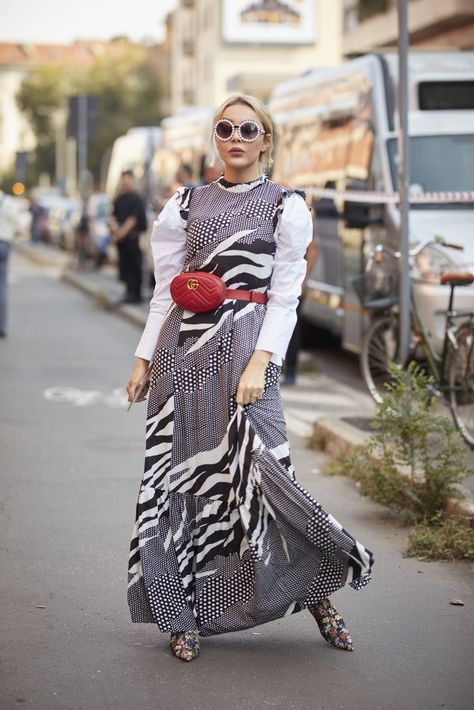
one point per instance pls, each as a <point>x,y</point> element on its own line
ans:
<point>379,350</point>
<point>461,382</point>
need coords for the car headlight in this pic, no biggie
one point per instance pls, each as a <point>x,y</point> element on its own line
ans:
<point>433,261</point>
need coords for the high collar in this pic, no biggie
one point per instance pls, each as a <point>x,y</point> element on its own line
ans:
<point>240,186</point>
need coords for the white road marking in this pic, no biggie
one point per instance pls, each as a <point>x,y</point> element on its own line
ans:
<point>116,399</point>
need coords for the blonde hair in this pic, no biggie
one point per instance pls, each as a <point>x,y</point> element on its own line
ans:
<point>265,157</point>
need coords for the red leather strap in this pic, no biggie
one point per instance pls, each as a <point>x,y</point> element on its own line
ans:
<point>241,295</point>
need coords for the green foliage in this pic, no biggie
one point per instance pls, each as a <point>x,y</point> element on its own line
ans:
<point>448,540</point>
<point>41,94</point>
<point>369,8</point>
<point>412,465</point>
<point>411,435</point>
<point>128,91</point>
<point>7,179</point>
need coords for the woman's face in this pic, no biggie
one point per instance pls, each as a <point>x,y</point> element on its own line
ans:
<point>236,154</point>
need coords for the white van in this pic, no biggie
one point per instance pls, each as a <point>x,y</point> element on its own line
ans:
<point>336,128</point>
<point>133,151</point>
<point>185,140</point>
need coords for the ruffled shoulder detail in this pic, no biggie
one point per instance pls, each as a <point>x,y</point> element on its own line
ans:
<point>183,197</point>
<point>285,193</point>
<point>289,191</point>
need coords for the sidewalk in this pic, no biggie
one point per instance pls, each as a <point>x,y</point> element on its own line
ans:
<point>336,412</point>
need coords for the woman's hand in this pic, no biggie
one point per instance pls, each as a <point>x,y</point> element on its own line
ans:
<point>252,380</point>
<point>139,369</point>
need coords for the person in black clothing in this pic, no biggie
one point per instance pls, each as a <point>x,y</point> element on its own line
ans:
<point>128,220</point>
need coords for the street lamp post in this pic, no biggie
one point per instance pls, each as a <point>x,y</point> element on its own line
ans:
<point>403,179</point>
<point>59,119</point>
<point>82,126</point>
<point>82,141</point>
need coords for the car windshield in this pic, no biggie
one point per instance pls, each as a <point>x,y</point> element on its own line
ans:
<point>438,164</point>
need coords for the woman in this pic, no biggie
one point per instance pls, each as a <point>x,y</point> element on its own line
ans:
<point>225,538</point>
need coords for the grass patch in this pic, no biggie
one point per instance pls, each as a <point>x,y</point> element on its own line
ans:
<point>449,540</point>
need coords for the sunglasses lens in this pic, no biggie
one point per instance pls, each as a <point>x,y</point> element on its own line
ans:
<point>249,131</point>
<point>224,130</point>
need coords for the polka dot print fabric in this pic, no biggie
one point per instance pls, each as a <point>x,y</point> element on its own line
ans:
<point>225,537</point>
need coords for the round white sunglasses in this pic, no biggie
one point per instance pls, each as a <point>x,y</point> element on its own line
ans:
<point>248,131</point>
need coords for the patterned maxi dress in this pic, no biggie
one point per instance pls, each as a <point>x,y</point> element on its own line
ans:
<point>225,537</point>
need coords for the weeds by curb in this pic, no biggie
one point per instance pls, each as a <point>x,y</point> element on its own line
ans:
<point>413,465</point>
<point>449,540</point>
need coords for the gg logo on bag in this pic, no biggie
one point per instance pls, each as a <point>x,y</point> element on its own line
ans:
<point>193,284</point>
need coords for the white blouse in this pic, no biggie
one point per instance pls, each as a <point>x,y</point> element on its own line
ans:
<point>292,235</point>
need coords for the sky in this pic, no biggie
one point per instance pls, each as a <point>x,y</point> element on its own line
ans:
<point>63,21</point>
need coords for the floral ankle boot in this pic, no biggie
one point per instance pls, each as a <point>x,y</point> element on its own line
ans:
<point>331,625</point>
<point>185,645</point>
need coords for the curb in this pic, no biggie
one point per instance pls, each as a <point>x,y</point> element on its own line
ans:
<point>340,437</point>
<point>130,313</point>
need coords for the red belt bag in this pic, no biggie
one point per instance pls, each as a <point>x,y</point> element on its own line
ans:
<point>200,291</point>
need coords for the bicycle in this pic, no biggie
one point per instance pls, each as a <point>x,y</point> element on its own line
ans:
<point>452,370</point>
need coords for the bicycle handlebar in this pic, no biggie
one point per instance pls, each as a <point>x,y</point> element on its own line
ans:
<point>380,249</point>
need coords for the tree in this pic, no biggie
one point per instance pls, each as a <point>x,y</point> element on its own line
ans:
<point>40,94</point>
<point>128,91</point>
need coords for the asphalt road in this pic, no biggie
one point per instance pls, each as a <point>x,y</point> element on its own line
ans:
<point>71,462</point>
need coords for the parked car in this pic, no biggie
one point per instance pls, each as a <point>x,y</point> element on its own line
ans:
<point>99,208</point>
<point>62,220</point>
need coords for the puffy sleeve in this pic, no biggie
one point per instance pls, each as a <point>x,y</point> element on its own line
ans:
<point>293,236</point>
<point>168,245</point>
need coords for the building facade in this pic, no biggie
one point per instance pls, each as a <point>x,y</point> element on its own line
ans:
<point>370,25</point>
<point>17,59</point>
<point>219,47</point>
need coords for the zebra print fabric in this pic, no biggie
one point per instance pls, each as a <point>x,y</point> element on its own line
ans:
<point>225,538</point>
